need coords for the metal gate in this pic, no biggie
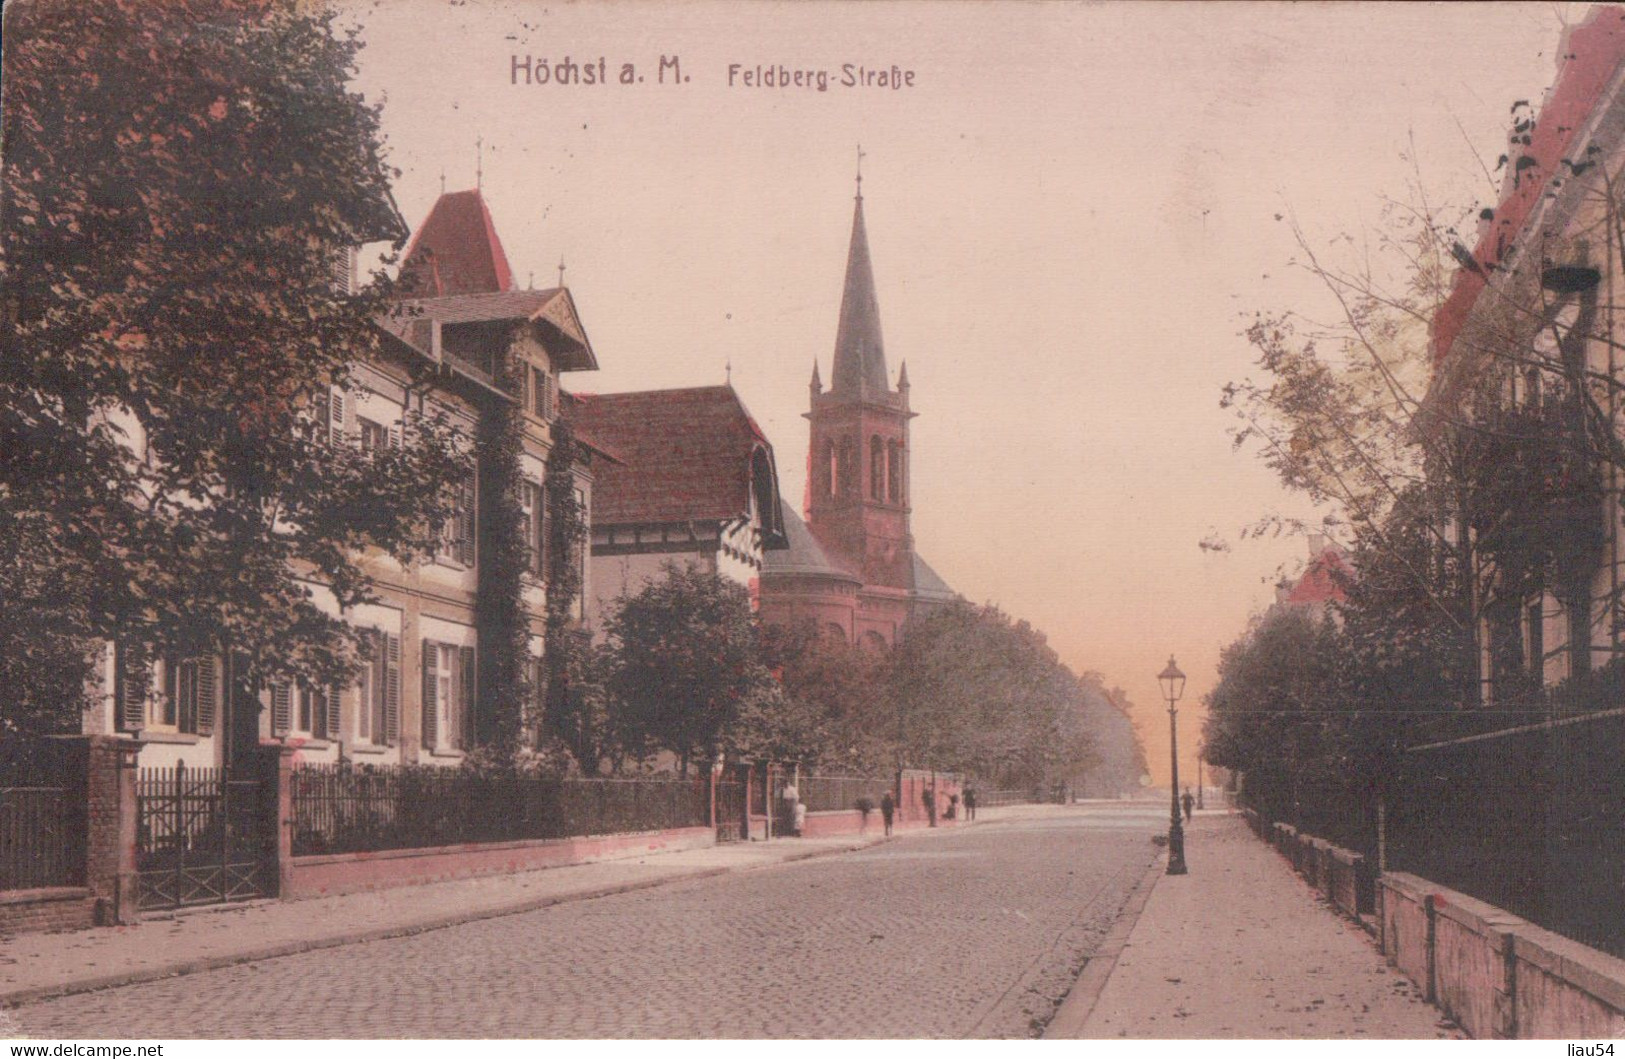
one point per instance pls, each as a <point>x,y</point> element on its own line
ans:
<point>201,838</point>
<point>730,811</point>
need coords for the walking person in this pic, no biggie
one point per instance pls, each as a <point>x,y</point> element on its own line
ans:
<point>1188,801</point>
<point>970,804</point>
<point>888,807</point>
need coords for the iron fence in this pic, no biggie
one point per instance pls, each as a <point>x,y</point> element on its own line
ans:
<point>42,824</point>
<point>828,793</point>
<point>1527,819</point>
<point>1011,796</point>
<point>350,809</point>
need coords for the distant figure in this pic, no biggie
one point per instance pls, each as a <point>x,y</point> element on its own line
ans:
<point>888,807</point>
<point>928,799</point>
<point>1189,801</point>
<point>800,818</point>
<point>970,804</point>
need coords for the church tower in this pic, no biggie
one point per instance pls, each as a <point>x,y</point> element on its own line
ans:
<point>858,502</point>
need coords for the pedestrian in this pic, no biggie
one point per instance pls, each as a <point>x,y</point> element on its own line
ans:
<point>887,807</point>
<point>929,800</point>
<point>1189,801</point>
<point>970,804</point>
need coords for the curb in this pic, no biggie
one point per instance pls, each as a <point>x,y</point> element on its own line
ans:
<point>1074,1010</point>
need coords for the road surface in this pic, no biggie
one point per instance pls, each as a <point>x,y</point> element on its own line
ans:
<point>972,933</point>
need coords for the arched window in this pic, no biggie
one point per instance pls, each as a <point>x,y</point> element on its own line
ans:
<point>873,641</point>
<point>877,468</point>
<point>831,473</point>
<point>894,471</point>
<point>835,631</point>
<point>848,461</point>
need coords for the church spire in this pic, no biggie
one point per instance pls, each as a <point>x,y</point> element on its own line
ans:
<point>860,356</point>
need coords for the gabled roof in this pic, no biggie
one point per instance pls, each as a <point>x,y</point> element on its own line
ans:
<point>805,556</point>
<point>455,251</point>
<point>1591,54</point>
<point>552,310</point>
<point>684,455</point>
<point>860,356</point>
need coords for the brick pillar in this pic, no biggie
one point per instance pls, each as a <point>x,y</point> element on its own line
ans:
<point>109,765</point>
<point>275,769</point>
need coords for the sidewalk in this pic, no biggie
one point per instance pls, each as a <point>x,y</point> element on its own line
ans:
<point>1240,948</point>
<point>35,966</point>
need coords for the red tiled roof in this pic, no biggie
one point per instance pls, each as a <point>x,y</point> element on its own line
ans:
<point>1590,55</point>
<point>1324,579</point>
<point>456,251</point>
<point>685,454</point>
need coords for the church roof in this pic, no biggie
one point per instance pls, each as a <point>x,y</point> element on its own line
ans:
<point>805,556</point>
<point>456,251</point>
<point>928,585</point>
<point>684,454</point>
<point>860,355</point>
<point>1323,580</point>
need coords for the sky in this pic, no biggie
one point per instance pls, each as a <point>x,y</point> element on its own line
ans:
<point>1073,211</point>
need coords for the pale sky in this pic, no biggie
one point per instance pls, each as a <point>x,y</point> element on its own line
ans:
<point>1071,215</point>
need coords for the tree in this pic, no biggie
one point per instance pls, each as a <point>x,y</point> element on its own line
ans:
<point>835,689</point>
<point>179,180</point>
<point>688,665</point>
<point>971,690</point>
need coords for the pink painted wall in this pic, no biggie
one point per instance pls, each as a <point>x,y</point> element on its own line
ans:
<point>342,873</point>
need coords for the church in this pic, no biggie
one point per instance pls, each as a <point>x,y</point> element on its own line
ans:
<point>850,567</point>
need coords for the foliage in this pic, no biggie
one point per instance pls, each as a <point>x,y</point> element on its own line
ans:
<point>688,673</point>
<point>836,687</point>
<point>503,621</point>
<point>971,690</point>
<point>575,710</point>
<point>177,181</point>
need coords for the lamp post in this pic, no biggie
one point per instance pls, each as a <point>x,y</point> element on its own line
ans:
<point>1173,686</point>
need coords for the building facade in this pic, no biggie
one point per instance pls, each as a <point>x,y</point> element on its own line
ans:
<point>687,476</point>
<point>1530,319</point>
<point>417,701</point>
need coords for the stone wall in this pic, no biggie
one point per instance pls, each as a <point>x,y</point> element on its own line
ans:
<point>1496,974</point>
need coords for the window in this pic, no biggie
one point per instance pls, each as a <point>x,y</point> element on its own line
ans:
<point>378,693</point>
<point>894,471</point>
<point>374,436</point>
<point>312,710</point>
<point>541,392</point>
<point>533,503</point>
<point>448,695</point>
<point>303,710</point>
<point>190,698</point>
<point>457,536</point>
<point>848,461</point>
<point>832,472</point>
<point>877,468</point>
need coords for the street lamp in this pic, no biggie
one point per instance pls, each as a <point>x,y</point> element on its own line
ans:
<point>1173,686</point>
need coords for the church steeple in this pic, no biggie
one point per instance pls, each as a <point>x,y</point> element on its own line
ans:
<point>859,370</point>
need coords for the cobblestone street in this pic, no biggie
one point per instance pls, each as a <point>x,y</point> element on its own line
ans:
<point>868,944</point>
